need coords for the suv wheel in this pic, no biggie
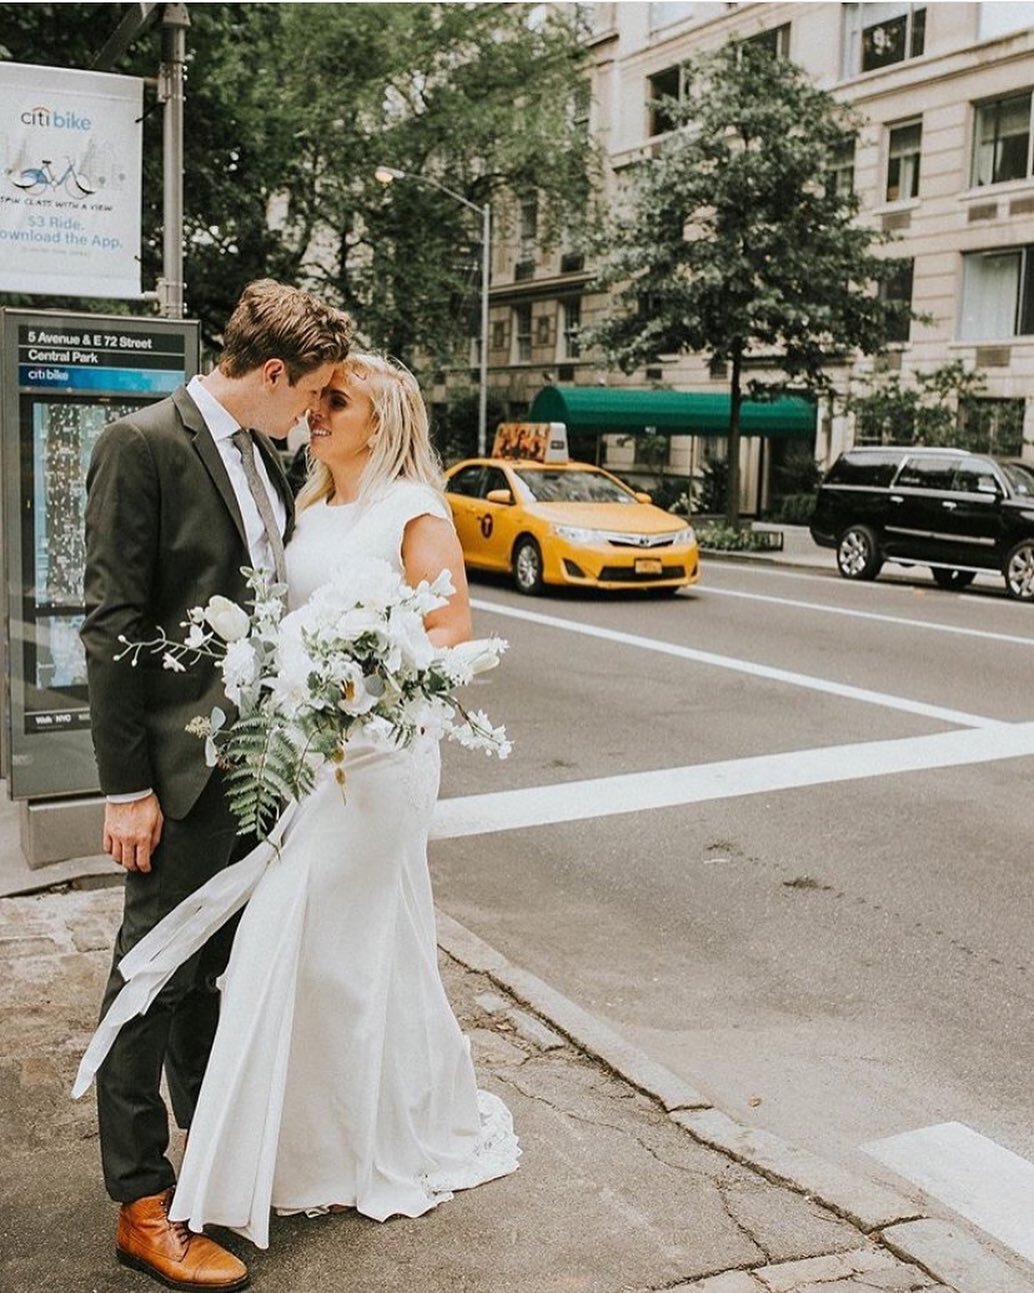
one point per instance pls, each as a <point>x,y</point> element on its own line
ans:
<point>953,580</point>
<point>857,554</point>
<point>1019,571</point>
<point>527,567</point>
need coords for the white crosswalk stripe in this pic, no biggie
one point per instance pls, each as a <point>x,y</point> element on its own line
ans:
<point>975,1176</point>
<point>571,801</point>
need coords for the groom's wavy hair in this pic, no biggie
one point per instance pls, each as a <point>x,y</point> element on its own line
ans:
<point>399,430</point>
<point>275,321</point>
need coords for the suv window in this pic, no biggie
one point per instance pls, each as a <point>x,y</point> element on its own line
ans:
<point>976,478</point>
<point>1019,477</point>
<point>465,482</point>
<point>927,473</point>
<point>864,469</point>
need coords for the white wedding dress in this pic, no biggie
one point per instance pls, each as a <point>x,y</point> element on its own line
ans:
<point>339,1075</point>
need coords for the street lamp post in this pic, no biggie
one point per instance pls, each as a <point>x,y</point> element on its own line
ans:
<point>387,175</point>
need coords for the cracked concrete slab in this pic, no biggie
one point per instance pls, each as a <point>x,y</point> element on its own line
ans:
<point>611,1194</point>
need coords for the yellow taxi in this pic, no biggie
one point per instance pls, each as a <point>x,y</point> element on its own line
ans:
<point>566,523</point>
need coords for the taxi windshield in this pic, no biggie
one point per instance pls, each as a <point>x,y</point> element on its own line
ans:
<point>547,486</point>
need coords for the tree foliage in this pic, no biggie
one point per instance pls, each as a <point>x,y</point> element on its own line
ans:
<point>926,411</point>
<point>290,107</point>
<point>734,242</point>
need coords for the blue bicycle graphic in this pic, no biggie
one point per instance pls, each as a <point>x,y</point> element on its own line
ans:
<point>35,180</point>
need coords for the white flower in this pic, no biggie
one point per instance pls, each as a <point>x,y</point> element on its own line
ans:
<point>197,637</point>
<point>356,695</point>
<point>477,733</point>
<point>409,637</point>
<point>467,659</point>
<point>169,661</point>
<point>240,669</point>
<point>227,618</point>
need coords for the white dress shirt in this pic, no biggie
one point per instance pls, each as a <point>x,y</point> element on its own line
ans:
<point>221,426</point>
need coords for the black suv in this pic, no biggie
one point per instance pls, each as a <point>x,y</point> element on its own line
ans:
<point>958,513</point>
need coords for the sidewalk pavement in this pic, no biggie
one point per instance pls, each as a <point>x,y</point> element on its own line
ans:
<point>629,1183</point>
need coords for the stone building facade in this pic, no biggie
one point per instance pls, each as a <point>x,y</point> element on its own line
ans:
<point>945,160</point>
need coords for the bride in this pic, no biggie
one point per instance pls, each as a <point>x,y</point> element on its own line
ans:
<point>339,1077</point>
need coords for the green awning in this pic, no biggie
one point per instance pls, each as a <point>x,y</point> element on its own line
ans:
<point>629,410</point>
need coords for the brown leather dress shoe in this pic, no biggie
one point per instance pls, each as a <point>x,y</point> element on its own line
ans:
<point>167,1251</point>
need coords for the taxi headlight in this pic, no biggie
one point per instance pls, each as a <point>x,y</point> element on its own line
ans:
<point>688,535</point>
<point>577,534</point>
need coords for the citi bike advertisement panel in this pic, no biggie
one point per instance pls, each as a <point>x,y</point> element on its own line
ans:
<point>64,378</point>
<point>71,156</point>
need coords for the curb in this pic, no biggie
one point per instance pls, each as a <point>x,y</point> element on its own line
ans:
<point>941,1250</point>
<point>759,559</point>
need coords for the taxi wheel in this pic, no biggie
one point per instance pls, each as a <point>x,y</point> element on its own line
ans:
<point>527,567</point>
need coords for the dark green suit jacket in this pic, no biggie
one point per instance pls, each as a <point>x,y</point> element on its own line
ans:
<point>163,533</point>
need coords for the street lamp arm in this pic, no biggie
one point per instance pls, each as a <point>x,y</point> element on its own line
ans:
<point>388,173</point>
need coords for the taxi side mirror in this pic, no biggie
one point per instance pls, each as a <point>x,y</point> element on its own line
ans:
<point>641,497</point>
<point>502,496</point>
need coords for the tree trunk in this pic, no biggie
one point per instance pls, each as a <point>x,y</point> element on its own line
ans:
<point>732,502</point>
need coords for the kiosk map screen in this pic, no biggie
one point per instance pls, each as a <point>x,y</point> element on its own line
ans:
<point>54,553</point>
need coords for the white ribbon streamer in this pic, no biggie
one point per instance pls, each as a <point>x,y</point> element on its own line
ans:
<point>149,965</point>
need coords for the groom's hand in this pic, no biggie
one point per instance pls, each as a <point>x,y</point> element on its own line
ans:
<point>132,832</point>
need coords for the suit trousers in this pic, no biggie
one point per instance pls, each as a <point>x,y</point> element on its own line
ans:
<point>177,1030</point>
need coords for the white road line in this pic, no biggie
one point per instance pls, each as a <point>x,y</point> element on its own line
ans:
<point>980,1179</point>
<point>572,801</point>
<point>870,615</point>
<point>884,699</point>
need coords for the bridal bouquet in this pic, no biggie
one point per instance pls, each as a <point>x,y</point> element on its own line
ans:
<point>354,660</point>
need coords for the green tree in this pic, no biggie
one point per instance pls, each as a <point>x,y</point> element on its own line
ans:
<point>735,242</point>
<point>290,107</point>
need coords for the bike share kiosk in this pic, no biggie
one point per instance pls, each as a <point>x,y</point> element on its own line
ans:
<point>64,378</point>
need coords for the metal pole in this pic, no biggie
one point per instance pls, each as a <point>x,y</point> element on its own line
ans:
<point>175,22</point>
<point>486,256</point>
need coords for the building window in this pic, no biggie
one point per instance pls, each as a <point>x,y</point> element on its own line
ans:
<point>905,146</point>
<point>992,425</point>
<point>898,287</point>
<point>1001,140</point>
<point>840,177</point>
<point>543,330</point>
<point>499,334</point>
<point>880,35</point>
<point>669,84</point>
<point>997,294</point>
<point>776,40</point>
<point>527,236</point>
<point>521,353</point>
<point>579,105</point>
<point>571,326</point>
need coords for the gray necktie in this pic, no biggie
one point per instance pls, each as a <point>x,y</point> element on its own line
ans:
<point>242,438</point>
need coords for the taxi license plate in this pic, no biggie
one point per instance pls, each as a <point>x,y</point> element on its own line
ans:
<point>648,566</point>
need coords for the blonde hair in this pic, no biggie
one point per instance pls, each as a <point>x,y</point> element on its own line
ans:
<point>274,321</point>
<point>399,429</point>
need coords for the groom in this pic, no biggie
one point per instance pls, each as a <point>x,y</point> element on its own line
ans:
<point>180,496</point>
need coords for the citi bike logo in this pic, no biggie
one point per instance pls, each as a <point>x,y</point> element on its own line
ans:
<point>43,116</point>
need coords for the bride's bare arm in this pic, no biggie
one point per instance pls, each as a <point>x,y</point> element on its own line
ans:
<point>429,546</point>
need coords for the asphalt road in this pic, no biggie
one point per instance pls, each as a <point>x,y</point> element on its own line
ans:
<point>830,932</point>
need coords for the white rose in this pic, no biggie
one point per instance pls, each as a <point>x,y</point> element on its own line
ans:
<point>240,669</point>
<point>227,618</point>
